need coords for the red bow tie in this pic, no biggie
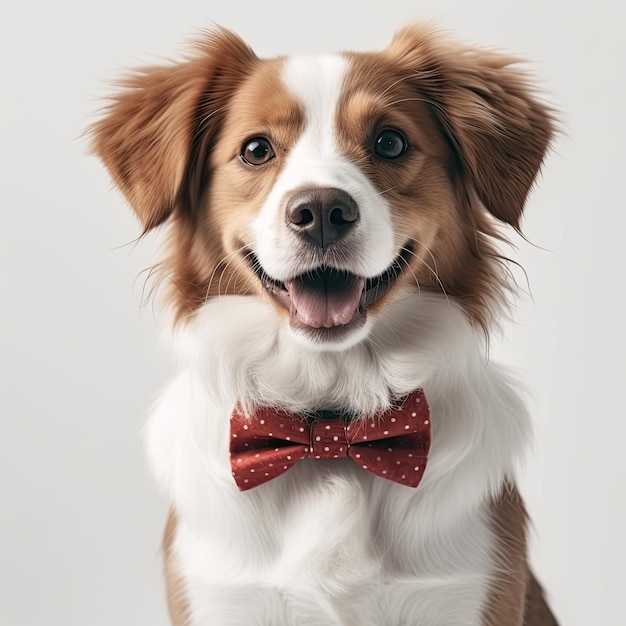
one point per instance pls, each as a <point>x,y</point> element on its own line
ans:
<point>393,445</point>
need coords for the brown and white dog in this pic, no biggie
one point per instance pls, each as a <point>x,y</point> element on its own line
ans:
<point>332,225</point>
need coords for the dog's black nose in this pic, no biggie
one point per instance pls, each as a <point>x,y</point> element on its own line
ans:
<point>322,215</point>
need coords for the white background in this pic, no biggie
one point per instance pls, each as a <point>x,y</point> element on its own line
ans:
<point>80,520</point>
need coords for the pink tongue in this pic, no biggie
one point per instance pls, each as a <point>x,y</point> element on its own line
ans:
<point>325,299</point>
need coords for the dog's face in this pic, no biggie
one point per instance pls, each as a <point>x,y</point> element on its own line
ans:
<point>329,185</point>
<point>337,185</point>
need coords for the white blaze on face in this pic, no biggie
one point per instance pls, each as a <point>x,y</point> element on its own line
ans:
<point>315,161</point>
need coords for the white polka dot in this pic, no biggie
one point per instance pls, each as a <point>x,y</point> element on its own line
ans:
<point>245,480</point>
<point>372,425</point>
<point>406,427</point>
<point>238,460</point>
<point>271,434</point>
<point>335,438</point>
<point>266,473</point>
<point>234,436</point>
<point>335,456</point>
<point>261,421</point>
<point>418,400</point>
<point>306,449</point>
<point>403,476</point>
<point>326,449</point>
<point>417,469</point>
<point>384,471</point>
<point>378,458</point>
<point>410,456</point>
<point>318,438</point>
<point>413,414</point>
<point>270,465</point>
<point>358,456</point>
<point>364,466</point>
<point>245,426</point>
<point>385,432</point>
<point>256,456</point>
<point>246,445</point>
<point>398,462</point>
<point>281,426</point>
<point>288,438</point>
<point>284,467</point>
<point>327,426</point>
<point>275,449</point>
<point>251,471</point>
<point>301,429</point>
<point>393,419</point>
<point>317,456</point>
<point>364,436</point>
<point>341,449</point>
<point>426,422</point>
<point>389,449</point>
<point>288,458</point>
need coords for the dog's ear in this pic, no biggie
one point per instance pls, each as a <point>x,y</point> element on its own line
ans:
<point>154,131</point>
<point>498,131</point>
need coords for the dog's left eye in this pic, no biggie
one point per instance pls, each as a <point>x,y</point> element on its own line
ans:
<point>390,144</point>
<point>257,151</point>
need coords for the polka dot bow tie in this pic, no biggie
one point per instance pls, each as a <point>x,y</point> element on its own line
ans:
<point>393,445</point>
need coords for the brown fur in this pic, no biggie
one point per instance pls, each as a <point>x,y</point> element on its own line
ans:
<point>148,138</point>
<point>176,602</point>
<point>480,137</point>
<point>171,141</point>
<point>172,137</point>
<point>516,598</point>
<point>486,108</point>
<point>156,140</point>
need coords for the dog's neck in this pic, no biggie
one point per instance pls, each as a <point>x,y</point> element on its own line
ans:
<point>251,357</point>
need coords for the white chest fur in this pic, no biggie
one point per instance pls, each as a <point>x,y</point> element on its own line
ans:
<point>327,543</point>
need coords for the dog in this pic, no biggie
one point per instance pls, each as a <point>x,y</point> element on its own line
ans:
<point>333,267</point>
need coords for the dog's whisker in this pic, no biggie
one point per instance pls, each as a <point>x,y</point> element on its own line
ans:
<point>415,99</point>
<point>433,270</point>
<point>407,265</point>
<point>206,118</point>
<point>223,264</point>
<point>397,82</point>
<point>386,191</point>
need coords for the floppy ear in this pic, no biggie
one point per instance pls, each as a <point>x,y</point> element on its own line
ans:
<point>486,108</point>
<point>153,135</point>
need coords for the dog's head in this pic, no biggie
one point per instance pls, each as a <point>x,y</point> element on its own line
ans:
<point>329,185</point>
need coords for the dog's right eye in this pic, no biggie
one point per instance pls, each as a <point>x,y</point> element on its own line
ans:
<point>257,151</point>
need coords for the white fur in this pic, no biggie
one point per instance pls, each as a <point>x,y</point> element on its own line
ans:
<point>315,161</point>
<point>328,543</point>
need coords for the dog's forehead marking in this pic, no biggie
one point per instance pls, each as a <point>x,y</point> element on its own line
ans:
<point>316,82</point>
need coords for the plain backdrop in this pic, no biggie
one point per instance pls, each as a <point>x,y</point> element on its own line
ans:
<point>80,519</point>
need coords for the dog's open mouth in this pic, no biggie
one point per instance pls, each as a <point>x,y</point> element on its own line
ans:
<point>326,297</point>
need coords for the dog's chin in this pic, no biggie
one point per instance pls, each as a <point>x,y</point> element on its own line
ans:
<point>333,341</point>
<point>328,307</point>
<point>332,338</point>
